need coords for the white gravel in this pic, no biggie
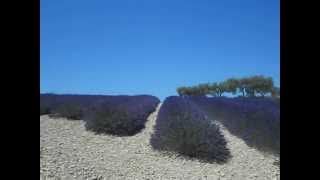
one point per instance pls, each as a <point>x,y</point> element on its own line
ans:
<point>68,151</point>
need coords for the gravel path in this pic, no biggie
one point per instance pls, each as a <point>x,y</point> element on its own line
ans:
<point>68,151</point>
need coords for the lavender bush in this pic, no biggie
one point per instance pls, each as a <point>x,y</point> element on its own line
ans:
<point>255,120</point>
<point>182,127</point>
<point>68,110</point>
<point>44,110</point>
<point>47,103</point>
<point>69,106</point>
<point>120,115</point>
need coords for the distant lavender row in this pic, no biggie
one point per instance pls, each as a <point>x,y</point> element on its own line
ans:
<point>184,128</point>
<point>119,115</point>
<point>256,120</point>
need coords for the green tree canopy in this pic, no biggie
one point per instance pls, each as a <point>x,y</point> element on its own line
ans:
<point>232,85</point>
<point>203,89</point>
<point>247,86</point>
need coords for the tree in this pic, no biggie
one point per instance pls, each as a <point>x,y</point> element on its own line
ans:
<point>243,86</point>
<point>193,91</point>
<point>260,84</point>
<point>232,85</point>
<point>221,88</point>
<point>216,89</point>
<point>203,89</point>
<point>248,86</point>
<point>213,89</point>
<point>188,91</point>
<point>253,85</point>
<point>181,91</point>
<point>267,86</point>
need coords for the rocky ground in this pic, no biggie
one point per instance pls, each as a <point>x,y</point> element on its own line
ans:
<point>68,151</point>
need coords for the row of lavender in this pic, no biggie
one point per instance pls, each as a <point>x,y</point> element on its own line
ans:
<point>118,115</point>
<point>184,128</point>
<point>255,120</point>
<point>184,124</point>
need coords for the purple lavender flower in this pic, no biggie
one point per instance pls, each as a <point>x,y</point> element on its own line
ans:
<point>184,128</point>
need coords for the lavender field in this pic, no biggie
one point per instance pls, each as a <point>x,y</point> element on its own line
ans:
<point>256,120</point>
<point>139,137</point>
<point>69,151</point>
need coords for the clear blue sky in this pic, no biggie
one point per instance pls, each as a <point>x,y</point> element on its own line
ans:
<point>153,46</point>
